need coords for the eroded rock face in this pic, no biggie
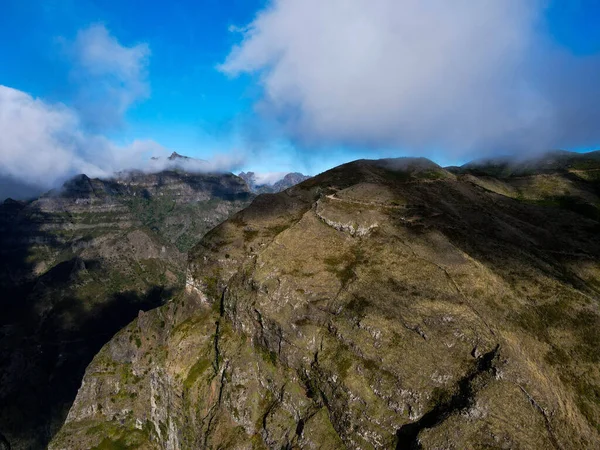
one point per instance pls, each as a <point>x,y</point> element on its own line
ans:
<point>77,265</point>
<point>463,319</point>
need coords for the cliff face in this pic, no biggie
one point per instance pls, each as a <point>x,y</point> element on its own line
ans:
<point>382,304</point>
<point>77,265</point>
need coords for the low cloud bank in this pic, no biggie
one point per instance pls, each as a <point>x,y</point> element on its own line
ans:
<point>224,162</point>
<point>268,178</point>
<point>42,144</point>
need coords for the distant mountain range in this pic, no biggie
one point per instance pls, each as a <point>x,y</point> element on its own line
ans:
<point>289,180</point>
<point>79,263</point>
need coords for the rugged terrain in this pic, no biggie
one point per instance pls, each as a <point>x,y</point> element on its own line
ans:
<point>382,304</point>
<point>76,265</point>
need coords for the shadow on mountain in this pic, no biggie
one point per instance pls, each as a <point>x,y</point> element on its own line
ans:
<point>49,333</point>
<point>13,188</point>
<point>43,367</point>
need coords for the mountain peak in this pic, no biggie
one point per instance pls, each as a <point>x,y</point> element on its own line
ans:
<point>176,155</point>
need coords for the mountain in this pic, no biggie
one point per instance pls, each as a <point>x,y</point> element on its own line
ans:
<point>176,156</point>
<point>565,179</point>
<point>289,180</point>
<point>382,304</point>
<point>550,162</point>
<point>77,265</point>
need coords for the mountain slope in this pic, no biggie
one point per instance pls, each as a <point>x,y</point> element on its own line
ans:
<point>381,304</point>
<point>559,178</point>
<point>77,265</point>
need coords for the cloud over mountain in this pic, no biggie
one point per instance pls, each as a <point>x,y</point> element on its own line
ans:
<point>41,144</point>
<point>460,76</point>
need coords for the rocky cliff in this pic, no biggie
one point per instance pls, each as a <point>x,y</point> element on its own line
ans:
<point>77,265</point>
<point>382,304</point>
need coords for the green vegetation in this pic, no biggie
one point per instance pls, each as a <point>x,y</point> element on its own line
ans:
<point>439,396</point>
<point>570,203</point>
<point>344,362</point>
<point>398,176</point>
<point>152,211</point>
<point>588,399</point>
<point>249,234</point>
<point>267,355</point>
<point>116,437</point>
<point>358,306</point>
<point>212,287</point>
<point>127,376</point>
<point>344,265</point>
<point>195,371</point>
<point>122,443</point>
<point>276,229</point>
<point>585,328</point>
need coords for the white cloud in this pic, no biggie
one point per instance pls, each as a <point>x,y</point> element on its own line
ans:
<point>220,162</point>
<point>421,74</point>
<point>111,76</point>
<point>269,178</point>
<point>37,140</point>
<point>42,144</point>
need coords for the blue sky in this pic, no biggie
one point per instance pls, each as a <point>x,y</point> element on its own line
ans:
<point>283,101</point>
<point>190,101</point>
